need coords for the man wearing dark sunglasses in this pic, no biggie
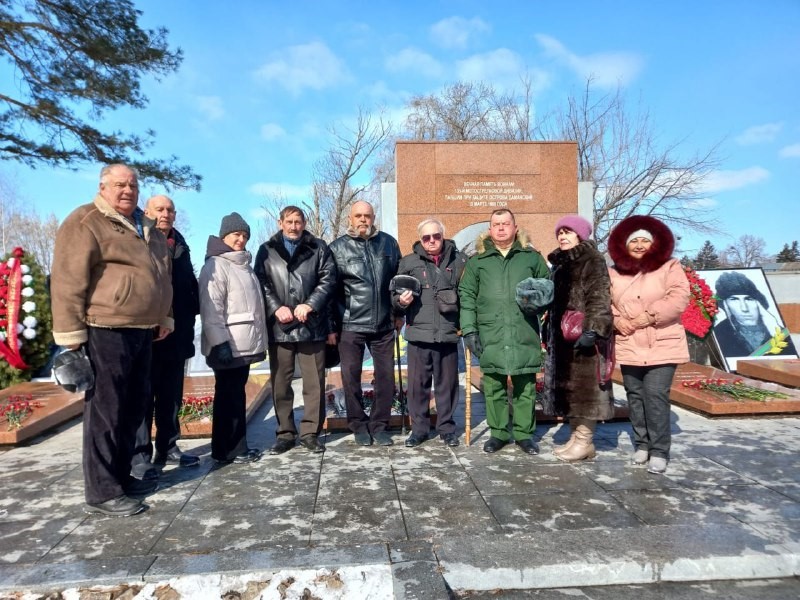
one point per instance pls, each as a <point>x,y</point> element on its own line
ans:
<point>432,331</point>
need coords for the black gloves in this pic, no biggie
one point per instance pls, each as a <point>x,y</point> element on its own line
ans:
<point>587,340</point>
<point>473,342</point>
<point>222,353</point>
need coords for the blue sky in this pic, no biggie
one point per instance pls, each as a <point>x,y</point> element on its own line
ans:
<point>261,82</point>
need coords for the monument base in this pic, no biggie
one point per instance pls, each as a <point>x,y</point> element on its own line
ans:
<point>336,415</point>
<point>55,406</point>
<point>256,389</point>
<point>620,409</point>
<point>719,405</point>
<point>783,371</point>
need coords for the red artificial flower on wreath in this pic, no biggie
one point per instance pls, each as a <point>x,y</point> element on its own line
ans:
<point>699,314</point>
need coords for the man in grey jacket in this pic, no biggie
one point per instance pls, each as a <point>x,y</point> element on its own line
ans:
<point>432,331</point>
<point>366,260</point>
<point>298,278</point>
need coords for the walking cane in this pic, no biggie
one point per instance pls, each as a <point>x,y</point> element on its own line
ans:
<point>467,396</point>
<point>400,392</point>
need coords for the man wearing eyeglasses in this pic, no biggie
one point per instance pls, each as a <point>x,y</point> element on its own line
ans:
<point>432,331</point>
<point>111,291</point>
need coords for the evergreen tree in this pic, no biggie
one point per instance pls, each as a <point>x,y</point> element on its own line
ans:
<point>789,254</point>
<point>707,258</point>
<point>71,61</point>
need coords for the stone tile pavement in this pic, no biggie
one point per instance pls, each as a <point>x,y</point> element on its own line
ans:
<point>444,522</point>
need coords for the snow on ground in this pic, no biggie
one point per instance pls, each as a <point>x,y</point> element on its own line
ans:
<point>370,582</point>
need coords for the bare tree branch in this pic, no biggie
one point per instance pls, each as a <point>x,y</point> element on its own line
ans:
<point>632,174</point>
<point>747,251</point>
<point>334,175</point>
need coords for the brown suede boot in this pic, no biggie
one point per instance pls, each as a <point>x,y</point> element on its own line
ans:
<point>583,446</point>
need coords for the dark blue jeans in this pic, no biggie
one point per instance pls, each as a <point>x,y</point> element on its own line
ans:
<point>648,406</point>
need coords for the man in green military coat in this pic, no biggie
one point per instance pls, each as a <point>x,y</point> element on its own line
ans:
<point>500,332</point>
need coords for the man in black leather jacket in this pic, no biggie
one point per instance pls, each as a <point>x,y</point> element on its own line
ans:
<point>298,277</point>
<point>366,260</point>
<point>169,355</point>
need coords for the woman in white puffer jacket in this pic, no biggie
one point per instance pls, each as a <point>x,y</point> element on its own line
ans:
<point>234,335</point>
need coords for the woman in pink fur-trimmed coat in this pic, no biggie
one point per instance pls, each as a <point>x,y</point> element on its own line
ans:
<point>649,291</point>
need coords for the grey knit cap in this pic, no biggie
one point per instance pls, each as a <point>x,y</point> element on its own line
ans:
<point>732,283</point>
<point>233,222</point>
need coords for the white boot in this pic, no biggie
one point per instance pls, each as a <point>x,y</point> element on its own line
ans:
<point>559,449</point>
<point>583,446</point>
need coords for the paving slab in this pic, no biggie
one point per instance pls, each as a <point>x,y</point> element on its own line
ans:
<point>434,518</point>
<point>235,529</point>
<point>617,556</point>
<point>78,573</point>
<point>770,589</point>
<point>439,521</point>
<point>433,483</point>
<point>272,559</point>
<point>522,513</point>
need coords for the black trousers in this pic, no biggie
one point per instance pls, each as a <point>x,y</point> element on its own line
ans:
<point>166,381</point>
<point>351,352</point>
<point>311,357</point>
<point>229,422</point>
<point>438,364</point>
<point>114,408</point>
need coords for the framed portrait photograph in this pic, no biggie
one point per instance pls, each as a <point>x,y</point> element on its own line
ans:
<point>749,324</point>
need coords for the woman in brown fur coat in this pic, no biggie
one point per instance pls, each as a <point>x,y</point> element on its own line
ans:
<point>580,278</point>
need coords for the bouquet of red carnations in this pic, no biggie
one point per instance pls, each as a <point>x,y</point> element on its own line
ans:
<point>699,315</point>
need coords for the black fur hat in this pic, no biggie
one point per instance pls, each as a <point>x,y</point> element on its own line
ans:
<point>735,284</point>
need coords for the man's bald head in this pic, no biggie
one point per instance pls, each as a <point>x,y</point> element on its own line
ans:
<point>362,218</point>
<point>162,210</point>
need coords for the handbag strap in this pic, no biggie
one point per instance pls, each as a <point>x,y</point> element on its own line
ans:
<point>602,379</point>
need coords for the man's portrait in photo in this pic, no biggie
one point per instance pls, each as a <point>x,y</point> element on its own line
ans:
<point>748,323</point>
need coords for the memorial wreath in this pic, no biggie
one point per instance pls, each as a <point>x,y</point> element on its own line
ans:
<point>26,335</point>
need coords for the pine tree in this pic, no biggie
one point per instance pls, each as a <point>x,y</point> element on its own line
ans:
<point>707,258</point>
<point>71,61</point>
<point>789,254</point>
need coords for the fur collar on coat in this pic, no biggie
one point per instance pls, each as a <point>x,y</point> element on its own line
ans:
<point>522,238</point>
<point>660,252</point>
<point>559,256</point>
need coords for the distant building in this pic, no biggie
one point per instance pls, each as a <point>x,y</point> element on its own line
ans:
<point>784,281</point>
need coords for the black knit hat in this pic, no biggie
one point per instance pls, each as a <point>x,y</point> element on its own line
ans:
<point>233,222</point>
<point>735,284</point>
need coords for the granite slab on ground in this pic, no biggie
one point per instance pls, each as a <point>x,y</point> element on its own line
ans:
<point>443,521</point>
